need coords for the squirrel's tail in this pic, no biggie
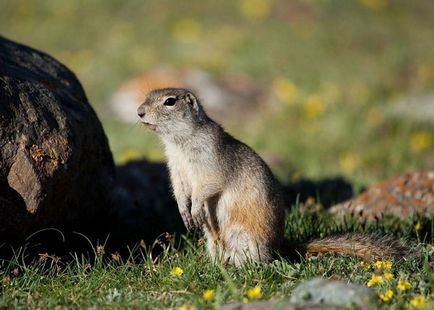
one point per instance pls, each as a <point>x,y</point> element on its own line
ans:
<point>366,246</point>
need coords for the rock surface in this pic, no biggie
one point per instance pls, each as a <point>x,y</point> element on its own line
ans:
<point>56,168</point>
<point>277,305</point>
<point>323,291</point>
<point>401,196</point>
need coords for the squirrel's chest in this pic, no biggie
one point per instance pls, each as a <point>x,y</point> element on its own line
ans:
<point>192,163</point>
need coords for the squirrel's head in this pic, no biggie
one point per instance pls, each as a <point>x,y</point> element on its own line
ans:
<point>171,111</point>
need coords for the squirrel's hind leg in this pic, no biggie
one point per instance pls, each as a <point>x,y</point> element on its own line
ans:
<point>240,247</point>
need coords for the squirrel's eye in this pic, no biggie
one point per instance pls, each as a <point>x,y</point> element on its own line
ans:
<point>170,101</point>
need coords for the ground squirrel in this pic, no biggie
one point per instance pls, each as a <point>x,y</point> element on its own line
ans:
<point>225,189</point>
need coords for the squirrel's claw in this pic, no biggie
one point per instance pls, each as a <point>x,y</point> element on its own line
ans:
<point>187,219</point>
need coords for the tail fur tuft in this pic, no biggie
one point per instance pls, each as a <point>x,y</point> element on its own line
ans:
<point>366,246</point>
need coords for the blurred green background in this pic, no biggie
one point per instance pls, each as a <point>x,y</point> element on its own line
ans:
<point>337,70</point>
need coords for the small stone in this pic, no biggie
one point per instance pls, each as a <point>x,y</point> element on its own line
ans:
<point>323,291</point>
<point>278,305</point>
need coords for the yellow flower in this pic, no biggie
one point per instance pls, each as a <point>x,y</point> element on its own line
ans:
<point>208,294</point>
<point>255,9</point>
<point>403,285</point>
<point>375,5</point>
<point>383,264</point>
<point>314,107</point>
<point>365,265</point>
<point>177,271</point>
<point>386,296</point>
<point>388,275</point>
<point>349,162</point>
<point>418,226</point>
<point>186,307</point>
<point>187,30</point>
<point>285,90</point>
<point>254,293</point>
<point>374,116</point>
<point>418,301</point>
<point>379,264</point>
<point>128,155</point>
<point>245,300</point>
<point>375,280</point>
<point>421,140</point>
<point>425,73</point>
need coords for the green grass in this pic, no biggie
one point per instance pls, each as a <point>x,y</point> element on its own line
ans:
<point>144,278</point>
<point>347,62</point>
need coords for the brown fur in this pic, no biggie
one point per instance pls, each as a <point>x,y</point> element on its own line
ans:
<point>260,230</point>
<point>366,246</point>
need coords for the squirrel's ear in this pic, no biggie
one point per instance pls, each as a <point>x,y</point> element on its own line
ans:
<point>192,100</point>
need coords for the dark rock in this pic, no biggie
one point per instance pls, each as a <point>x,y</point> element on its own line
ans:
<point>56,168</point>
<point>411,193</point>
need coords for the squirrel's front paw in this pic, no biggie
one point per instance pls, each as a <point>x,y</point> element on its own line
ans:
<point>199,216</point>
<point>187,219</point>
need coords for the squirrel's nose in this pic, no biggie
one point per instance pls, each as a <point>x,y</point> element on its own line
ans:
<point>141,111</point>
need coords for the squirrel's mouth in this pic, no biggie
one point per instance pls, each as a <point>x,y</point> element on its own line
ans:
<point>149,125</point>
